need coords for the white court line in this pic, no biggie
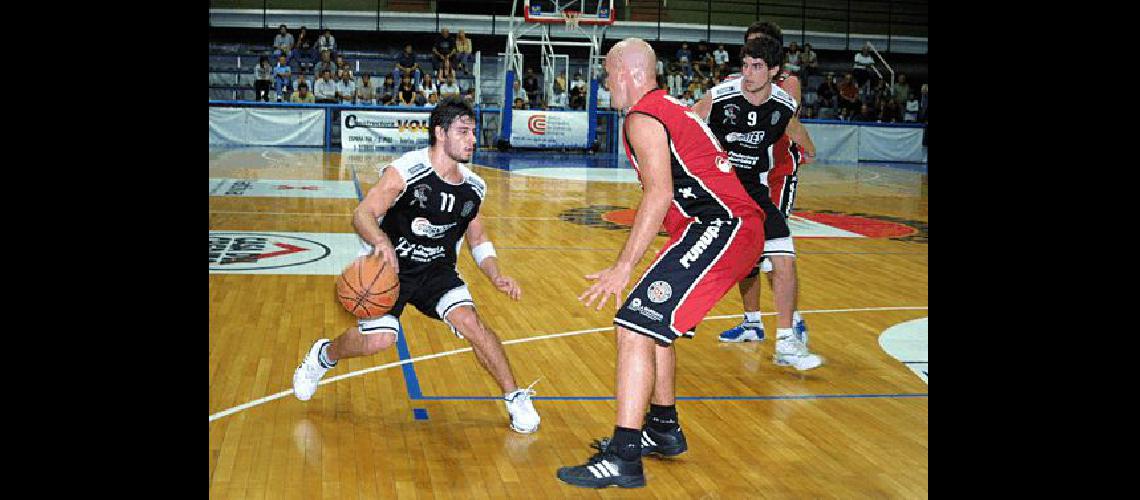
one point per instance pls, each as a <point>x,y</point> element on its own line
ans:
<point>330,380</point>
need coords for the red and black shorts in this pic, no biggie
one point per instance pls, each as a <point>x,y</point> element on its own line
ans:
<point>690,274</point>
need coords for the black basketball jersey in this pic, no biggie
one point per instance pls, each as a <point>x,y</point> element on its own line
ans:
<point>748,132</point>
<point>427,222</point>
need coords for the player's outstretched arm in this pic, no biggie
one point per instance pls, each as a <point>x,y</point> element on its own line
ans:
<point>488,262</point>
<point>650,144</point>
<point>703,107</point>
<point>796,129</point>
<point>366,217</point>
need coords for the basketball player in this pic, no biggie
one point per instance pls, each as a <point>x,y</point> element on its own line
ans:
<point>426,202</point>
<point>777,167</point>
<point>716,235</point>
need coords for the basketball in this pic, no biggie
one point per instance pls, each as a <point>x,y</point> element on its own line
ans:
<point>368,287</point>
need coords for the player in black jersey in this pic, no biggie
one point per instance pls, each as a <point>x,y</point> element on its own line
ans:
<point>749,115</point>
<point>425,204</point>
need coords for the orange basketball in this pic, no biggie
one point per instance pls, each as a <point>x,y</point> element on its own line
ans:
<point>368,287</point>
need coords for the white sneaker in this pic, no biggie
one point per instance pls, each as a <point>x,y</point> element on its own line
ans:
<point>309,372</point>
<point>791,352</point>
<point>523,417</point>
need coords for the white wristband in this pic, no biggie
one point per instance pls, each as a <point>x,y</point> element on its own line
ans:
<point>482,251</point>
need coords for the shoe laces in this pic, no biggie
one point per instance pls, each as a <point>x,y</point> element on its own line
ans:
<point>791,345</point>
<point>525,393</point>
<point>600,444</point>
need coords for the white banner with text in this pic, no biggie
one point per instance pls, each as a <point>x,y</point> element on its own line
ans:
<point>371,130</point>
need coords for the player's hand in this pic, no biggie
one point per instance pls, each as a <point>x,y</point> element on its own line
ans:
<point>509,286</point>
<point>608,282</point>
<point>806,156</point>
<point>386,253</point>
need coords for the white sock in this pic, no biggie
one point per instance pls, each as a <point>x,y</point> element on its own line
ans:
<point>783,333</point>
<point>751,316</point>
<point>323,357</point>
<point>796,318</point>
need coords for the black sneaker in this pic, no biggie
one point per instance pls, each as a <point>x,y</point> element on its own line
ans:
<point>666,444</point>
<point>663,444</point>
<point>604,469</point>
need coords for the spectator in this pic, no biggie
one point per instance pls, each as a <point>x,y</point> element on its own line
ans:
<point>445,73</point>
<point>911,113</point>
<point>282,43</point>
<point>443,51</point>
<point>603,96</point>
<point>676,81</point>
<point>262,80</point>
<point>325,64</point>
<point>406,95</point>
<point>325,89</point>
<point>849,94</point>
<point>432,100</point>
<point>428,87</point>
<point>519,92</point>
<point>421,99</point>
<point>720,57</point>
<point>302,57</point>
<point>387,92</point>
<point>827,91</point>
<point>578,82</point>
<point>327,43</point>
<point>684,55</point>
<point>687,98</point>
<point>660,67</point>
<point>302,37</point>
<point>703,58</point>
<point>792,59</point>
<point>531,86</point>
<point>345,88</point>
<point>863,65</point>
<point>449,87</point>
<point>302,80</point>
<point>922,103</point>
<point>406,65</point>
<point>463,53</point>
<point>890,112</point>
<point>864,115</point>
<point>342,65</point>
<point>519,103</point>
<point>809,61</point>
<point>302,94</point>
<point>469,96</point>
<point>695,92</point>
<point>878,95</point>
<point>559,90</point>
<point>366,92</point>
<point>901,89</point>
<point>282,79</point>
<point>577,97</point>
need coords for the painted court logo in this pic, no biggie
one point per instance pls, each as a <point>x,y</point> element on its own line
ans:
<point>537,124</point>
<point>252,251</point>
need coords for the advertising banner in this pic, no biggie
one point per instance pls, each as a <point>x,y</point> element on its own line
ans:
<point>371,130</point>
<point>550,129</point>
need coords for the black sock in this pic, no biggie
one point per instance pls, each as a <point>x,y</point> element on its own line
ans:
<point>662,418</point>
<point>626,443</point>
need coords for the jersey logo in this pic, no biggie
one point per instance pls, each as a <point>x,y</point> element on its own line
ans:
<point>752,139</point>
<point>421,227</point>
<point>730,114</point>
<point>418,253</point>
<point>416,169</point>
<point>723,164</point>
<point>421,195</point>
<point>468,206</point>
<point>686,193</point>
<point>775,117</point>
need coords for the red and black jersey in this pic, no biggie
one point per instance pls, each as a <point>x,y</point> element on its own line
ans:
<point>704,184</point>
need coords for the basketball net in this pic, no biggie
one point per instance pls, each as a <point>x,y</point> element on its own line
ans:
<point>571,17</point>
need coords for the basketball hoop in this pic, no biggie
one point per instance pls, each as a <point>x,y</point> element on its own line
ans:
<point>571,17</point>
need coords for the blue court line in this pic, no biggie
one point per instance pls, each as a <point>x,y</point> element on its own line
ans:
<point>694,398</point>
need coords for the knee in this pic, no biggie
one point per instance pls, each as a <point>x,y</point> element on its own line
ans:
<point>377,342</point>
<point>467,322</point>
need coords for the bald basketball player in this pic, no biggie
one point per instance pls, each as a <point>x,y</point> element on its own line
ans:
<point>716,234</point>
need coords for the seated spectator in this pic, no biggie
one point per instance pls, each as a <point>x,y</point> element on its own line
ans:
<point>442,51</point>
<point>532,87</point>
<point>342,65</point>
<point>683,59</point>
<point>325,88</point>
<point>863,65</point>
<point>262,79</point>
<point>406,95</point>
<point>326,43</point>
<point>365,92</point>
<point>703,58</point>
<point>432,100</point>
<point>302,79</point>
<point>421,99</point>
<point>345,88</point>
<point>901,89</point>
<point>428,86</point>
<point>463,54</point>
<point>282,43</point>
<point>520,92</point>
<point>720,57</point>
<point>827,91</point>
<point>519,103</point>
<point>282,79</point>
<point>406,65</point>
<point>911,113</point>
<point>809,61</point>
<point>864,115</point>
<point>792,59</point>
<point>325,64</point>
<point>302,94</point>
<point>449,87</point>
<point>577,97</point>
<point>922,103</point>
<point>695,91</point>
<point>578,82</point>
<point>302,37</point>
<point>559,90</point>
<point>849,94</point>
<point>386,92</point>
<point>890,112</point>
<point>303,57</point>
<point>687,98</point>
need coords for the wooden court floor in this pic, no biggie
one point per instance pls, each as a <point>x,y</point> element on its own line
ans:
<point>853,428</point>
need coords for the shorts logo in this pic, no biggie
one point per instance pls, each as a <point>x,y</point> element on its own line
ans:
<point>659,291</point>
<point>635,305</point>
<point>421,227</point>
<point>700,246</point>
<point>775,117</point>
